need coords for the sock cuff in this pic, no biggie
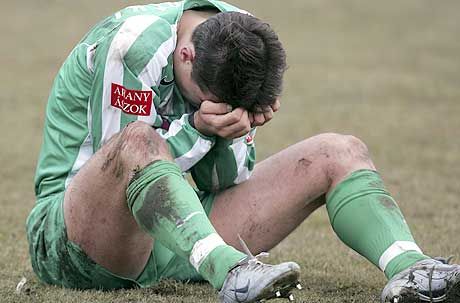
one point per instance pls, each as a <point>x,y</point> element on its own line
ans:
<point>396,249</point>
<point>151,173</point>
<point>359,183</point>
<point>202,248</point>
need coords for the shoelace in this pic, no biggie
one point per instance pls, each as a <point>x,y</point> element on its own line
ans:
<point>445,260</point>
<point>430,274</point>
<point>251,259</point>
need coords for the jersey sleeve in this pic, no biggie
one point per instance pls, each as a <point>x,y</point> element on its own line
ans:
<point>187,145</point>
<point>228,163</point>
<point>127,72</point>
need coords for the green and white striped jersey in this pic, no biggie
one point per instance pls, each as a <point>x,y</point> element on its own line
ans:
<point>122,71</point>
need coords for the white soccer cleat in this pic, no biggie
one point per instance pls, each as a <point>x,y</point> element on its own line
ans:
<point>427,281</point>
<point>254,281</point>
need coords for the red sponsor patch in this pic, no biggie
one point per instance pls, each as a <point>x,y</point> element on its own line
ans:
<point>249,139</point>
<point>132,102</point>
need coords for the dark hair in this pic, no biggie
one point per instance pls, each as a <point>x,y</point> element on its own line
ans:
<point>239,59</point>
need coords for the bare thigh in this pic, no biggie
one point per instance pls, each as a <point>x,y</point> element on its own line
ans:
<point>95,209</point>
<point>285,188</point>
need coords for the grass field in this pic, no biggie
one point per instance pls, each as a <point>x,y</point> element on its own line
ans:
<point>387,72</point>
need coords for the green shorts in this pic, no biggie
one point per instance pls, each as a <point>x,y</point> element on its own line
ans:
<point>57,260</point>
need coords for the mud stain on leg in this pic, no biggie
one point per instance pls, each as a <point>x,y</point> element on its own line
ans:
<point>113,159</point>
<point>134,141</point>
<point>302,165</point>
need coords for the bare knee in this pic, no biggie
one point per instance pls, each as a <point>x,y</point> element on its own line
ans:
<point>331,144</point>
<point>137,145</point>
<point>139,137</point>
<point>338,154</point>
<point>345,147</point>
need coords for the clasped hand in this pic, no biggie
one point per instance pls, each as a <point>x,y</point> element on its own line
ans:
<point>219,119</point>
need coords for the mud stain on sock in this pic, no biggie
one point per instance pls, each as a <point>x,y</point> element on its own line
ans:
<point>387,202</point>
<point>211,269</point>
<point>139,171</point>
<point>376,183</point>
<point>157,205</point>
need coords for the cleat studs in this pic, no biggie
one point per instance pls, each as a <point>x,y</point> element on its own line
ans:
<point>291,297</point>
<point>298,286</point>
<point>278,294</point>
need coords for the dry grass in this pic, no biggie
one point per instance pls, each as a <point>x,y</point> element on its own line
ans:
<point>387,72</point>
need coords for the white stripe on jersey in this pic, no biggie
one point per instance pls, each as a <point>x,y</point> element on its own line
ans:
<point>90,53</point>
<point>113,73</point>
<point>151,74</point>
<point>86,149</point>
<point>175,127</point>
<point>150,119</point>
<point>190,158</point>
<point>240,150</point>
<point>215,183</point>
<point>137,8</point>
<point>84,154</point>
<point>243,174</point>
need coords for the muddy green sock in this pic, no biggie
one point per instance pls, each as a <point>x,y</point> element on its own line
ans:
<point>367,219</point>
<point>167,208</point>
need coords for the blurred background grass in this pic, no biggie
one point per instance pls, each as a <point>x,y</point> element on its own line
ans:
<point>387,72</point>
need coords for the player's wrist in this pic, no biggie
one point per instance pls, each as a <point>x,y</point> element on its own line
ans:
<point>197,123</point>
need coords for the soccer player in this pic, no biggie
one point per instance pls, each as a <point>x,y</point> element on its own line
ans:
<point>156,91</point>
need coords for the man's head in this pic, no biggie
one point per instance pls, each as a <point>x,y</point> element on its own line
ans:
<point>237,59</point>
